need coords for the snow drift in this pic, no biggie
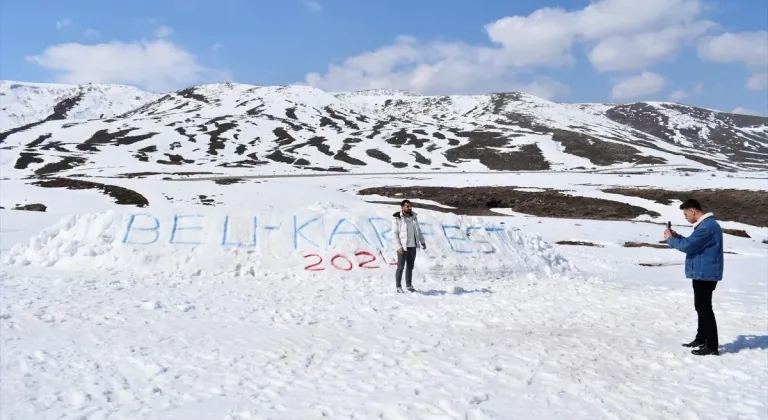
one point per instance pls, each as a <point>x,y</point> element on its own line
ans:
<point>317,240</point>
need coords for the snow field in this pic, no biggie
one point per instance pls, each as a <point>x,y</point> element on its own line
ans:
<point>119,346</point>
<point>317,240</point>
<point>96,328</point>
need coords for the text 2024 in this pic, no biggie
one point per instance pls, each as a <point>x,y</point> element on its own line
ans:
<point>363,259</point>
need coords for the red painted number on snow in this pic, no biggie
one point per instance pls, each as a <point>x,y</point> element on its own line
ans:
<point>314,267</point>
<point>363,264</point>
<point>337,256</point>
<point>347,265</point>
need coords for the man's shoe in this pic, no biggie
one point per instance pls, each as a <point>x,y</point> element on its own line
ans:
<point>695,343</point>
<point>411,289</point>
<point>705,351</point>
<point>400,289</point>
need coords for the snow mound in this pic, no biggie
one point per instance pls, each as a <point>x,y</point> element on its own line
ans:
<point>318,240</point>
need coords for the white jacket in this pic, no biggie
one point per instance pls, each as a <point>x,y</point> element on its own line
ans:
<point>400,230</point>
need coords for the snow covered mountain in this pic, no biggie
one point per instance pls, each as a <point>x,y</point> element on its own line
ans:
<point>238,129</point>
<point>23,103</point>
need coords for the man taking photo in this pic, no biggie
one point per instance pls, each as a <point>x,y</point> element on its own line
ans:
<point>704,266</point>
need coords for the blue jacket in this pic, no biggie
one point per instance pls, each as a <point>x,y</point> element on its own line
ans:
<point>703,250</point>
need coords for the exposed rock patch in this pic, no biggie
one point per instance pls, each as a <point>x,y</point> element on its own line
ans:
<point>122,195</point>
<point>479,201</point>
<point>743,206</point>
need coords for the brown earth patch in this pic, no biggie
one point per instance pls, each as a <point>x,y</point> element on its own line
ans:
<point>121,195</point>
<point>737,232</point>
<point>600,152</point>
<point>31,207</point>
<point>645,245</point>
<point>120,138</point>
<point>174,160</point>
<point>478,201</point>
<point>660,264</point>
<point>148,174</point>
<point>228,181</point>
<point>743,206</point>
<point>206,201</point>
<point>66,163</point>
<point>704,161</point>
<point>484,145</point>
<point>578,243</point>
<point>27,158</point>
<point>466,212</point>
<point>139,174</point>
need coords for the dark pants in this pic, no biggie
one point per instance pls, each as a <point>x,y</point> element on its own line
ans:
<point>702,301</point>
<point>406,259</point>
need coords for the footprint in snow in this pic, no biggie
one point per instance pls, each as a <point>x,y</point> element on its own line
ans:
<point>479,399</point>
<point>151,304</point>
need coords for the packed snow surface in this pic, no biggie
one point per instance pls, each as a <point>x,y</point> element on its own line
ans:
<point>322,239</point>
<point>108,312</point>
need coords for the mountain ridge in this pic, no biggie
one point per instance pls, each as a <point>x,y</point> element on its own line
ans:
<point>240,128</point>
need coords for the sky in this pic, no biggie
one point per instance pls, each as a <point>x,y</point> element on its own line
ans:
<point>705,53</point>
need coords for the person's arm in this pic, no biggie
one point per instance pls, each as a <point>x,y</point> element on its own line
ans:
<point>421,235</point>
<point>691,244</point>
<point>396,233</point>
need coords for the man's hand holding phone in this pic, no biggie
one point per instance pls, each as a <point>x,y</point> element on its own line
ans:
<point>668,233</point>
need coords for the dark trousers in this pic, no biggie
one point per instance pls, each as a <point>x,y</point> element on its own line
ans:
<point>702,301</point>
<point>405,260</point>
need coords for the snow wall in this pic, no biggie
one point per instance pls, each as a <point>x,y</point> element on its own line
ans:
<point>316,241</point>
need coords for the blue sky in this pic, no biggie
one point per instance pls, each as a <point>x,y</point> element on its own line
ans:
<point>707,53</point>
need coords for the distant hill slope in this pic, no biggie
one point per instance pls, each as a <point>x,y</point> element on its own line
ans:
<point>236,128</point>
<point>23,103</point>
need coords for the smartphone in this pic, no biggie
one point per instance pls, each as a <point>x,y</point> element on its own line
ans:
<point>669,225</point>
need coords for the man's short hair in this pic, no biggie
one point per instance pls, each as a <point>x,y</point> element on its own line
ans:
<point>690,204</point>
<point>404,202</point>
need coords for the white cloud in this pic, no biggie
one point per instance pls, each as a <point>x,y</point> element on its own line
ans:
<point>542,38</point>
<point>63,23</point>
<point>606,18</point>
<point>698,88</point>
<point>638,51</point>
<point>411,65</point>
<point>157,65</point>
<point>646,83</point>
<point>544,87</point>
<point>748,48</point>
<point>313,5</point>
<point>91,33</point>
<point>546,36</point>
<point>163,31</point>
<point>681,94</point>
<point>622,34</point>
<point>160,31</point>
<point>758,81</point>
<point>678,95</point>
<point>216,47</point>
<point>746,111</point>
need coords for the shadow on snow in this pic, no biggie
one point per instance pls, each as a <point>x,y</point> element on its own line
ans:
<point>459,291</point>
<point>746,342</point>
